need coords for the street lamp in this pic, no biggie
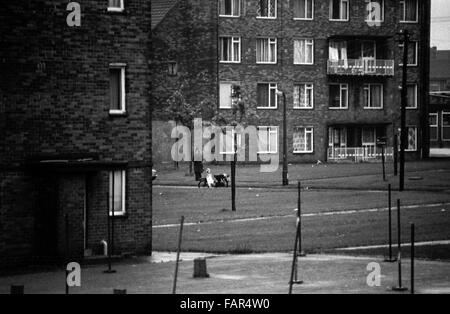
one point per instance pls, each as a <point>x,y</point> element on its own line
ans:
<point>237,106</point>
<point>404,92</point>
<point>285,165</point>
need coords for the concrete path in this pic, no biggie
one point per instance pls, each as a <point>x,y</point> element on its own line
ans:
<point>236,274</point>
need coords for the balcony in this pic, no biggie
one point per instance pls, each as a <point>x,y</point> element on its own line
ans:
<point>360,67</point>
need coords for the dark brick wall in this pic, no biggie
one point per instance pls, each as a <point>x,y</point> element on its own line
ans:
<point>285,73</point>
<point>54,101</point>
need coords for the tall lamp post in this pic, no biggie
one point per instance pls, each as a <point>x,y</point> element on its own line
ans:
<point>236,101</point>
<point>285,164</point>
<point>403,136</point>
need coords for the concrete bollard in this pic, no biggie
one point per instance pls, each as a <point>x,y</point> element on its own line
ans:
<point>200,268</point>
<point>15,289</point>
<point>120,291</point>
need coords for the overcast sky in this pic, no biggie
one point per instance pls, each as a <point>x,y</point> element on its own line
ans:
<point>440,24</point>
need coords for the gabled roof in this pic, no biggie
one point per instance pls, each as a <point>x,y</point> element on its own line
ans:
<point>160,8</point>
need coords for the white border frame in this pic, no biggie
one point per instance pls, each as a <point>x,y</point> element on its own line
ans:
<point>111,200</point>
<point>416,96</point>
<point>232,43</point>
<point>123,107</point>
<point>232,7</point>
<point>270,17</point>
<point>436,114</point>
<point>306,11</point>
<point>368,85</point>
<point>340,95</point>
<point>402,18</point>
<point>313,50</point>
<point>442,126</point>
<point>276,96</point>
<point>268,128</point>
<point>117,9</point>
<point>269,39</point>
<point>415,144</point>
<point>312,96</point>
<point>312,140</point>
<point>340,5</point>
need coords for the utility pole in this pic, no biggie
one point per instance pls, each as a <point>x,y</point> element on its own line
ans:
<point>403,134</point>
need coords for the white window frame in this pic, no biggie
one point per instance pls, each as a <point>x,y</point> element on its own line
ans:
<point>117,9</point>
<point>306,12</point>
<point>402,19</point>
<point>308,86</point>
<point>308,130</point>
<point>111,200</point>
<point>123,108</point>
<point>270,17</point>
<point>444,127</point>
<point>435,114</point>
<point>367,87</point>
<point>269,130</point>
<point>340,10</point>
<point>232,9</point>
<point>341,88</point>
<point>415,140</point>
<point>308,42</point>
<point>233,40</point>
<point>369,5</point>
<point>271,86</point>
<point>223,150</point>
<point>270,41</point>
<point>416,96</point>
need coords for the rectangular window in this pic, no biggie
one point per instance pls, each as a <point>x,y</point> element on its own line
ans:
<point>446,126</point>
<point>227,141</point>
<point>267,9</point>
<point>267,96</point>
<point>409,11</point>
<point>375,10</point>
<point>413,53</point>
<point>339,10</point>
<point>373,96</point>
<point>303,96</point>
<point>115,6</point>
<point>230,8</point>
<point>304,9</point>
<point>412,97</point>
<point>230,49</point>
<point>225,95</point>
<point>338,96</point>
<point>117,89</point>
<point>303,140</point>
<point>266,50</point>
<point>412,139</point>
<point>268,139</point>
<point>433,126</point>
<point>117,185</point>
<point>304,51</point>
<point>172,68</point>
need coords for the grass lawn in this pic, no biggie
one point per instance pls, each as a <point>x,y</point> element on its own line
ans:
<point>213,228</point>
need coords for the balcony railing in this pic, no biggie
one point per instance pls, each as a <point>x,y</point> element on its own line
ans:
<point>359,154</point>
<point>361,67</point>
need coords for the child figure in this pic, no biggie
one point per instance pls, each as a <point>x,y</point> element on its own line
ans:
<point>209,178</point>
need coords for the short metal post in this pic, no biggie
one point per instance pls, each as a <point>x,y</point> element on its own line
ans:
<point>390,259</point>
<point>180,237</point>
<point>399,258</point>
<point>412,256</point>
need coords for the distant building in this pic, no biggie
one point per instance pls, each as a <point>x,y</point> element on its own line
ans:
<point>337,62</point>
<point>439,70</point>
<point>75,121</point>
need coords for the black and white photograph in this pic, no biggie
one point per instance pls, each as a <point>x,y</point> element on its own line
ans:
<point>224,152</point>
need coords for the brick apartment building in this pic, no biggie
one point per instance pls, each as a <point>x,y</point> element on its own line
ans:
<point>336,61</point>
<point>439,110</point>
<point>76,128</point>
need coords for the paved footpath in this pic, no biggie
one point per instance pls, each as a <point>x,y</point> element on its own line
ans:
<point>236,274</point>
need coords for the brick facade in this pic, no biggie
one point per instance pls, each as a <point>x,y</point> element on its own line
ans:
<point>54,96</point>
<point>285,73</point>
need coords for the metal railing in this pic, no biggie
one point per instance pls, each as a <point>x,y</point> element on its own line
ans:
<point>359,154</point>
<point>361,67</point>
